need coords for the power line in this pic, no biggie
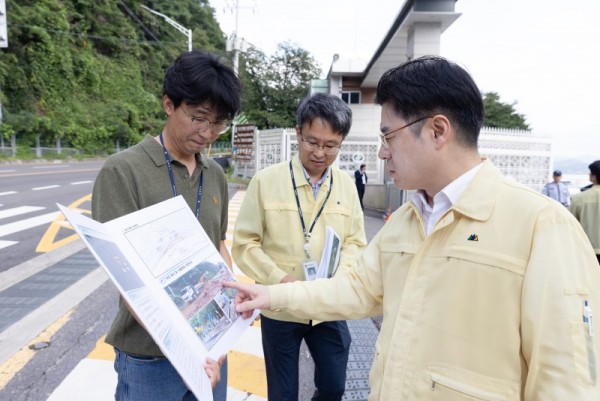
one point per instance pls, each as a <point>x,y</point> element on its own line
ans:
<point>98,37</point>
<point>139,21</point>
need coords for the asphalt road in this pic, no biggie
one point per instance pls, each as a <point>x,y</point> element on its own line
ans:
<point>28,196</point>
<point>89,321</point>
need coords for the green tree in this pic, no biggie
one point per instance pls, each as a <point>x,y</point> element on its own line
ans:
<point>274,86</point>
<point>90,71</point>
<point>502,115</point>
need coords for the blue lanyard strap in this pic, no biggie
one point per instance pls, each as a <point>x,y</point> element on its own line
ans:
<point>172,178</point>
<point>307,234</point>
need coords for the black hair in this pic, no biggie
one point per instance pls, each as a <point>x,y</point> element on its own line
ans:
<point>329,108</point>
<point>432,85</point>
<point>595,169</point>
<point>197,78</point>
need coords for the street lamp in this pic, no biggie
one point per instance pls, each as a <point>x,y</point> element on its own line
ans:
<point>180,28</point>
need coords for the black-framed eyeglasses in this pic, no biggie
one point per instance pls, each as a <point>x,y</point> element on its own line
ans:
<point>312,146</point>
<point>202,123</point>
<point>384,137</point>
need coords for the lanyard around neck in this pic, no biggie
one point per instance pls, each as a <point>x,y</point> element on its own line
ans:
<point>172,178</point>
<point>307,234</point>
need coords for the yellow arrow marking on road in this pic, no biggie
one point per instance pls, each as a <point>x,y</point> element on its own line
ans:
<point>48,243</point>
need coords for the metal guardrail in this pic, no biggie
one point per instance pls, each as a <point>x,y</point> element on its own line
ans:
<point>217,149</point>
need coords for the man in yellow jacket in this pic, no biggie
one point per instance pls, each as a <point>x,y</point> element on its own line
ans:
<point>487,288</point>
<point>280,235</point>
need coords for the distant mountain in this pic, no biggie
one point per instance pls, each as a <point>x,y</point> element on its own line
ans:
<point>573,165</point>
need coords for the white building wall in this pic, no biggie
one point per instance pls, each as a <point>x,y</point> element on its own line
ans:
<point>424,39</point>
<point>522,155</point>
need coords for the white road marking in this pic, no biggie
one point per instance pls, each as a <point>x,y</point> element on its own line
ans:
<point>7,171</point>
<point>81,182</point>
<point>22,225</point>
<point>8,193</point>
<point>6,244</point>
<point>19,210</point>
<point>47,187</point>
<point>57,166</point>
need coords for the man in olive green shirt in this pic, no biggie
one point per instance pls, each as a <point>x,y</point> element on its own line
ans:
<point>585,206</point>
<point>200,96</point>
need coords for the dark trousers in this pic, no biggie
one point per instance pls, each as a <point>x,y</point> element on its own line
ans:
<point>361,194</point>
<point>329,345</point>
<point>598,256</point>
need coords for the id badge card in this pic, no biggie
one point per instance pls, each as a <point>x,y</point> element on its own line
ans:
<point>310,269</point>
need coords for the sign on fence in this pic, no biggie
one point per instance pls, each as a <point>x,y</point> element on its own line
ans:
<point>243,142</point>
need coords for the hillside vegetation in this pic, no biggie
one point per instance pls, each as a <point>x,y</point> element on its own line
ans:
<point>90,71</point>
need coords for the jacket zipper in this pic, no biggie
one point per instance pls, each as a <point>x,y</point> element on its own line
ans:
<point>465,388</point>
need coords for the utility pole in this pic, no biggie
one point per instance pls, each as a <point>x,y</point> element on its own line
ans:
<point>3,23</point>
<point>236,47</point>
<point>179,27</point>
<point>3,43</point>
<point>234,42</point>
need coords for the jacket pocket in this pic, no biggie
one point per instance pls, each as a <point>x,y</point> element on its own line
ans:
<point>486,257</point>
<point>453,384</point>
<point>584,355</point>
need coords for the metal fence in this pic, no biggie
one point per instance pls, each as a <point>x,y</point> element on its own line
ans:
<point>41,152</point>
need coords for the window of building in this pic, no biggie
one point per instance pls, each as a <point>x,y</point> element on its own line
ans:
<point>351,97</point>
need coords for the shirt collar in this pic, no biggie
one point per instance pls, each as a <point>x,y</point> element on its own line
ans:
<point>299,168</point>
<point>449,195</point>
<point>321,180</point>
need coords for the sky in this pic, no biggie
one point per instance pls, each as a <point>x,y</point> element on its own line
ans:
<point>542,55</point>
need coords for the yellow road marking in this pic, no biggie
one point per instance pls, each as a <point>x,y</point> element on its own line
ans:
<point>102,351</point>
<point>12,366</point>
<point>249,373</point>
<point>47,242</point>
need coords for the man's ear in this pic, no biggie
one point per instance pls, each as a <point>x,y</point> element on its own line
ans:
<point>441,130</point>
<point>168,105</point>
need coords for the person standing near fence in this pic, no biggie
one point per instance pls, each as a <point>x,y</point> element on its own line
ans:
<point>360,180</point>
<point>585,206</point>
<point>557,190</point>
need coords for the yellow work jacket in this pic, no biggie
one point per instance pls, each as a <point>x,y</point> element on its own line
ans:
<point>268,240</point>
<point>488,307</point>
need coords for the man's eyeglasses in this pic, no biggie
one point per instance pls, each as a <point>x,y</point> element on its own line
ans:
<point>313,147</point>
<point>201,123</point>
<point>386,136</point>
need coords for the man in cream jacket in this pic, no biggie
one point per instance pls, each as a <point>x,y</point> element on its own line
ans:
<point>486,287</point>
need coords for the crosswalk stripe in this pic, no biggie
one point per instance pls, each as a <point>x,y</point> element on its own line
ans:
<point>21,225</point>
<point>8,193</point>
<point>6,244</point>
<point>15,211</point>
